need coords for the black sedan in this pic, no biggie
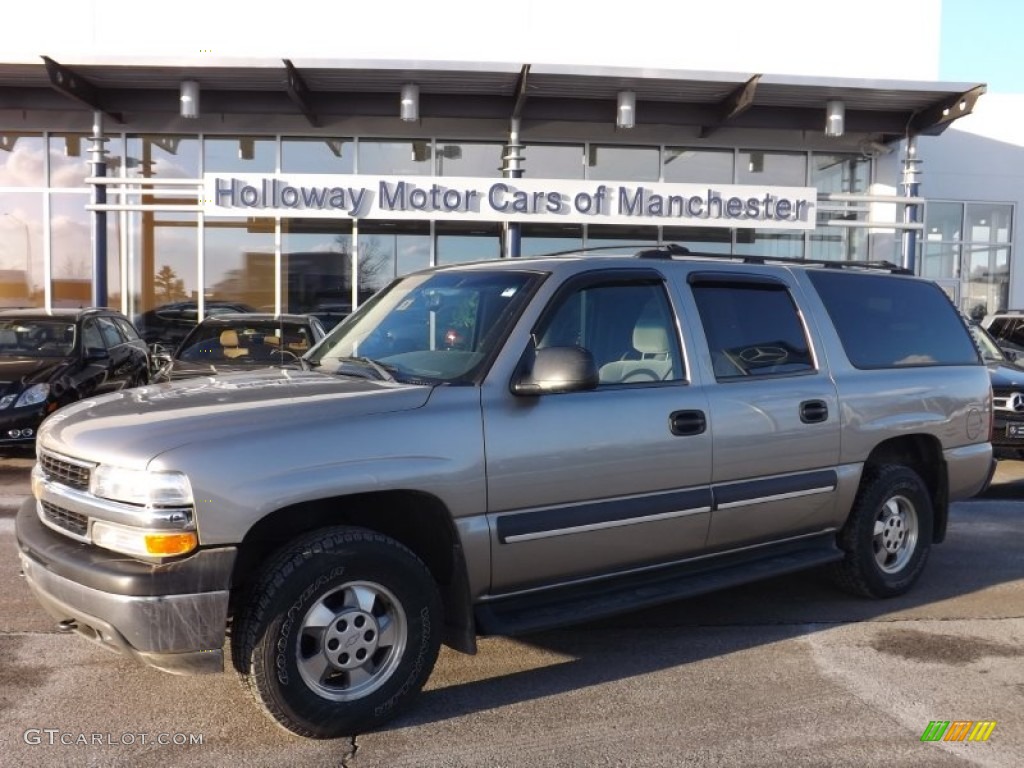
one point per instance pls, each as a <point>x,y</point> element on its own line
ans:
<point>1007,395</point>
<point>51,358</point>
<point>240,342</point>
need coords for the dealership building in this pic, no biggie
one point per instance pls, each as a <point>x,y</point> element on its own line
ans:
<point>296,169</point>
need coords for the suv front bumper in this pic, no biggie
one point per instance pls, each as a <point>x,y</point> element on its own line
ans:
<point>171,616</point>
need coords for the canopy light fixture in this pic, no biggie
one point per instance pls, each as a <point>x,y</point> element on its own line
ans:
<point>189,98</point>
<point>625,115</point>
<point>410,111</point>
<point>835,118</point>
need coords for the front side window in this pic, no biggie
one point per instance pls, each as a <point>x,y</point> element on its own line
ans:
<point>753,328</point>
<point>428,328</point>
<point>627,326</point>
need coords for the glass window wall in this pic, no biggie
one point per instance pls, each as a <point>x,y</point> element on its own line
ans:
<point>69,159</point>
<point>307,155</point>
<point>240,262</point>
<point>474,159</point>
<point>388,249</point>
<point>21,249</point>
<point>459,242</point>
<point>396,158</point>
<point>697,166</point>
<point>239,154</point>
<point>171,157</point>
<point>553,161</point>
<point>316,268</point>
<point>539,239</point>
<point>22,160</point>
<point>615,163</point>
<point>780,169</point>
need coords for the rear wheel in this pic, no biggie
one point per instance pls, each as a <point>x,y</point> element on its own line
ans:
<point>887,537</point>
<point>339,633</point>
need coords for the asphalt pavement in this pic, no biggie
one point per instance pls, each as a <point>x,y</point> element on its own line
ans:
<point>787,672</point>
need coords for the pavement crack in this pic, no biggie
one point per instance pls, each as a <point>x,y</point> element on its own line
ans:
<point>350,756</point>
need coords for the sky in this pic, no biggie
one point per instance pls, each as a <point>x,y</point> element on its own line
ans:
<point>981,43</point>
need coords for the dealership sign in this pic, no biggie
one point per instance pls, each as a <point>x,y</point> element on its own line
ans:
<point>453,198</point>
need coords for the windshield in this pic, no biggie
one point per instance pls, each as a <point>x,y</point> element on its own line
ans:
<point>247,342</point>
<point>36,338</point>
<point>990,351</point>
<point>437,327</point>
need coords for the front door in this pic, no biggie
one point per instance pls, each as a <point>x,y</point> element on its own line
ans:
<point>586,483</point>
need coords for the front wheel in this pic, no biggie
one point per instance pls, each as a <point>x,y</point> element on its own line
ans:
<point>339,633</point>
<point>888,534</point>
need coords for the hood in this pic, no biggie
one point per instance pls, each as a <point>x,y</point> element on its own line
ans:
<point>17,373</point>
<point>1005,375</point>
<point>133,426</point>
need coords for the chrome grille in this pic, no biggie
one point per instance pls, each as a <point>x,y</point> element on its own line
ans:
<point>72,522</point>
<point>65,472</point>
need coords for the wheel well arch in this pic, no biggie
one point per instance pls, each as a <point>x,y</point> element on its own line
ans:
<point>923,454</point>
<point>418,520</point>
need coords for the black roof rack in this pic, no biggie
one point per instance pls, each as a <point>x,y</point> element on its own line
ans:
<point>671,250</point>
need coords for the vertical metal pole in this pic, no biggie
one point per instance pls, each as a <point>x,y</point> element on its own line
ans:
<point>512,168</point>
<point>911,187</point>
<point>99,218</point>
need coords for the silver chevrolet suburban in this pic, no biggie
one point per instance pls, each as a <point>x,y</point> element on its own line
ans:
<point>503,447</point>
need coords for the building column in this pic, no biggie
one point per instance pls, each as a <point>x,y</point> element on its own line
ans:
<point>99,217</point>
<point>512,168</point>
<point>911,186</point>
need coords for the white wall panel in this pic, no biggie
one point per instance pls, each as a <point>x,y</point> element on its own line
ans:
<point>878,39</point>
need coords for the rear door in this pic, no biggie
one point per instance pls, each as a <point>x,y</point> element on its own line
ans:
<point>773,408</point>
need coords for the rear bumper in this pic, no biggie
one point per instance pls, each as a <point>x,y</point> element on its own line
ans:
<point>169,616</point>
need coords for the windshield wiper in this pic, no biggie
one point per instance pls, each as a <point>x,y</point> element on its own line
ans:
<point>383,372</point>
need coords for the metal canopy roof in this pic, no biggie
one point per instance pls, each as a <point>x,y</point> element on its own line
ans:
<point>882,109</point>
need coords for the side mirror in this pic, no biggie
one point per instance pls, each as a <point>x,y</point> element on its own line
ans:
<point>556,370</point>
<point>1011,354</point>
<point>96,355</point>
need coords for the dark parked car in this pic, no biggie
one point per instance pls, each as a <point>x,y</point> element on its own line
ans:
<point>1007,328</point>
<point>169,324</point>
<point>239,341</point>
<point>1008,395</point>
<point>50,359</point>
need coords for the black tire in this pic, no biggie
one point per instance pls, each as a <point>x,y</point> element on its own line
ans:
<point>365,651</point>
<point>888,534</point>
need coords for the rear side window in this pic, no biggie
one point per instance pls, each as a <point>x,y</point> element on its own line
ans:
<point>889,322</point>
<point>752,327</point>
<point>111,335</point>
<point>127,330</point>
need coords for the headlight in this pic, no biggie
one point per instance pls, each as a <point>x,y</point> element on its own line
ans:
<point>139,541</point>
<point>34,395</point>
<point>139,486</point>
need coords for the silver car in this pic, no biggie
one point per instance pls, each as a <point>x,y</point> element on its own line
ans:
<point>503,447</point>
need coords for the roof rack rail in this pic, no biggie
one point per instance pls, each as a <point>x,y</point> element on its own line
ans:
<point>671,250</point>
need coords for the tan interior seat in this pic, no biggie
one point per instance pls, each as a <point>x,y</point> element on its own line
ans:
<point>229,341</point>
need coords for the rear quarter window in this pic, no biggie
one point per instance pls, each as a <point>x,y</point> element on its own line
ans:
<point>891,322</point>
